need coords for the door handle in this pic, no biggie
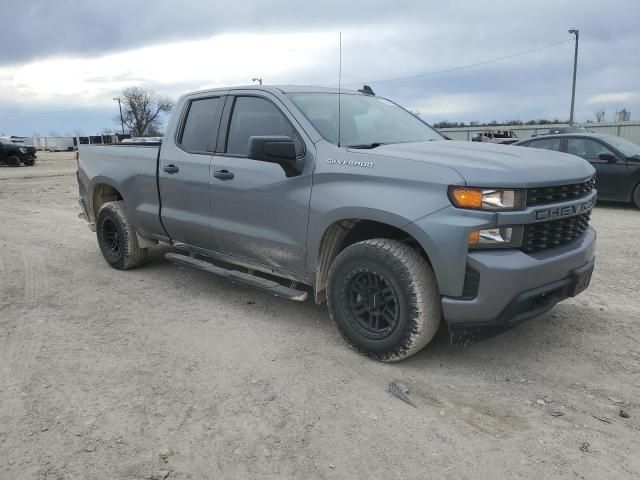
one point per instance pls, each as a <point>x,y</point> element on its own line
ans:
<point>223,174</point>
<point>171,169</point>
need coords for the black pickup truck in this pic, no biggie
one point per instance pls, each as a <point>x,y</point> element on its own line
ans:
<point>14,154</point>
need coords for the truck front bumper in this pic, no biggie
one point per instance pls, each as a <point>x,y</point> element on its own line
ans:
<point>514,286</point>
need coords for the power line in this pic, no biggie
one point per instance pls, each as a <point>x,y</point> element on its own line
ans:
<point>388,80</point>
<point>461,67</point>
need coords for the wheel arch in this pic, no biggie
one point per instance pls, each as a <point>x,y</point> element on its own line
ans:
<point>344,232</point>
<point>102,192</point>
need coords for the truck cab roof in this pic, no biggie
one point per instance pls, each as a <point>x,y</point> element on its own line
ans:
<point>281,89</point>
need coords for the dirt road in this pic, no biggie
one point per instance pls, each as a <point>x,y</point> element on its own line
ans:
<point>164,370</point>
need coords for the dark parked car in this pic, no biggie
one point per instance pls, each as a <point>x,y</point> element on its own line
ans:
<point>616,160</point>
<point>13,154</point>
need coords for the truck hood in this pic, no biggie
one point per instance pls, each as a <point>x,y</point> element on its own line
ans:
<point>493,165</point>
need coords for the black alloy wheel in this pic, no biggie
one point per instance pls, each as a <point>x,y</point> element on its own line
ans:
<point>112,238</point>
<point>373,303</point>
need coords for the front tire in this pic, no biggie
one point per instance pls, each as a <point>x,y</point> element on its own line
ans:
<point>117,237</point>
<point>383,296</point>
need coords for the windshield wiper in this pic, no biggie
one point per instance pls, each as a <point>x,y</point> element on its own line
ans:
<point>367,145</point>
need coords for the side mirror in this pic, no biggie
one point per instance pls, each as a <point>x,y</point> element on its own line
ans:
<point>609,157</point>
<point>273,148</point>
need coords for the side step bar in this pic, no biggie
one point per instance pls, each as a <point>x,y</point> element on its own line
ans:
<point>269,286</point>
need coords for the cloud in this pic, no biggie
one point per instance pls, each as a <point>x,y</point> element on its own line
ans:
<point>614,97</point>
<point>217,61</point>
<point>75,56</point>
<point>452,105</point>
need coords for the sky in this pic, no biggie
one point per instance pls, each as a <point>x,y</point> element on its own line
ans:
<point>62,62</point>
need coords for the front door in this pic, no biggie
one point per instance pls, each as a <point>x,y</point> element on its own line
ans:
<point>610,176</point>
<point>259,211</point>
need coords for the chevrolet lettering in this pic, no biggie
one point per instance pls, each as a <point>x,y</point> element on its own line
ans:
<point>566,211</point>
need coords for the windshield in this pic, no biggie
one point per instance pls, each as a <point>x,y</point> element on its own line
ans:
<point>627,148</point>
<point>365,121</point>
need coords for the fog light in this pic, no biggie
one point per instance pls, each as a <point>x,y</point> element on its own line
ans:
<point>498,237</point>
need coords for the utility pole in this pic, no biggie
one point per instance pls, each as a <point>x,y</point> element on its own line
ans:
<point>120,107</point>
<point>259,80</point>
<point>576,32</point>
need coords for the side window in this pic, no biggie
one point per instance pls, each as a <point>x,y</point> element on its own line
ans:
<point>201,126</point>
<point>586,148</point>
<point>254,116</point>
<point>546,143</point>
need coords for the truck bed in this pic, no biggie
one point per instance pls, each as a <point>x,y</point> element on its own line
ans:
<point>131,170</point>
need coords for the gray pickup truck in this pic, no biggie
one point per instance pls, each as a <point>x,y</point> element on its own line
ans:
<point>355,200</point>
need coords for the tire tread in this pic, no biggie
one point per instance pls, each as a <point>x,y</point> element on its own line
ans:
<point>133,255</point>
<point>422,293</point>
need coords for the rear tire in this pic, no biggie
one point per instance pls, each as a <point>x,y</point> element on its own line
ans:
<point>636,196</point>
<point>383,296</point>
<point>117,237</point>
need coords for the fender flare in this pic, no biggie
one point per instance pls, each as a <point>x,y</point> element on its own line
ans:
<point>98,182</point>
<point>327,237</point>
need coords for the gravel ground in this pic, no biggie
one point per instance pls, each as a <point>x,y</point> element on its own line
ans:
<point>166,371</point>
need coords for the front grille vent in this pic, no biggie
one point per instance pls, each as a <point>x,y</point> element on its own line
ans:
<point>559,193</point>
<point>540,236</point>
<point>471,283</point>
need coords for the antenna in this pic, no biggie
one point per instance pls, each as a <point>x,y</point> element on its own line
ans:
<point>339,83</point>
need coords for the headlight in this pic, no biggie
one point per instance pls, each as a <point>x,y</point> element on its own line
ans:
<point>487,198</point>
<point>22,150</point>
<point>497,237</point>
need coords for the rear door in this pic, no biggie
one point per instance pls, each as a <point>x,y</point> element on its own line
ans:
<point>183,172</point>
<point>260,211</point>
<point>611,177</point>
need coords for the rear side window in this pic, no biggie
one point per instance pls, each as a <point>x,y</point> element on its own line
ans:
<point>201,125</point>
<point>254,116</point>
<point>546,143</point>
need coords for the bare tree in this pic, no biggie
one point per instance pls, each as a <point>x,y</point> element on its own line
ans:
<point>141,111</point>
<point>600,116</point>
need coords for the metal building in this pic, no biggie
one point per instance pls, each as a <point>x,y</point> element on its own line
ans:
<point>627,129</point>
